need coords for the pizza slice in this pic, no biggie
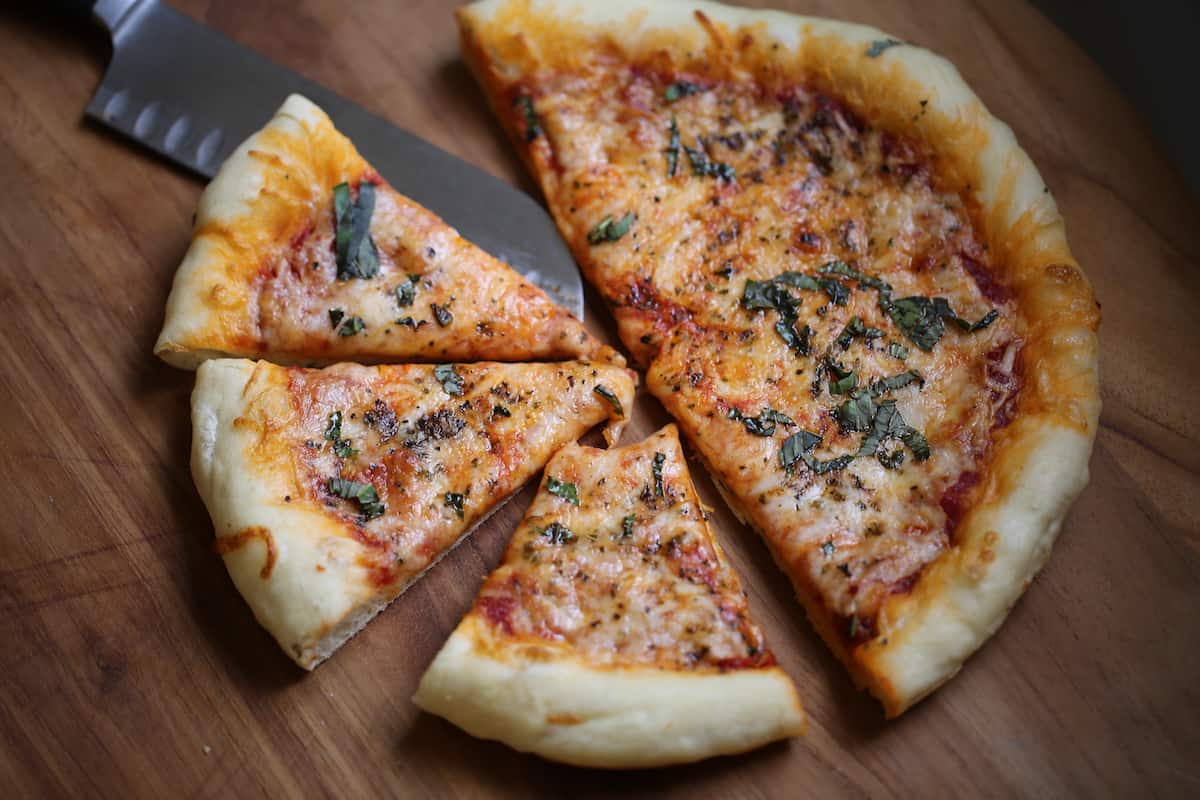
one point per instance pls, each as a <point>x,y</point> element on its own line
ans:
<point>301,253</point>
<point>615,633</point>
<point>332,490</point>
<point>851,286</point>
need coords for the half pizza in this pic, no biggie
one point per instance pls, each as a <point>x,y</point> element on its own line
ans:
<point>332,490</point>
<point>852,289</point>
<point>615,633</point>
<point>302,254</point>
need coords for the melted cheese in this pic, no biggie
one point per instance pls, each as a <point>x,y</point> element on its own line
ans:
<point>812,184</point>
<point>628,576</point>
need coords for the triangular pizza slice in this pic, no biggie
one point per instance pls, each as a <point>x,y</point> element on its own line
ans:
<point>615,633</point>
<point>301,253</point>
<point>851,286</point>
<point>332,490</point>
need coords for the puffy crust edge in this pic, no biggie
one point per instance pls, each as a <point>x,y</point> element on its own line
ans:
<point>562,709</point>
<point>1038,464</point>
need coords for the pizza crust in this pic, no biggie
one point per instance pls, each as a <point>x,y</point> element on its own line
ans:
<point>1038,464</point>
<point>565,710</point>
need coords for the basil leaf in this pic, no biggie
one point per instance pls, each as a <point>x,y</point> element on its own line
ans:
<point>877,49</point>
<point>821,467</point>
<point>567,491</point>
<point>985,320</point>
<point>916,441</point>
<point>842,268</point>
<point>795,446</point>
<point>343,449</point>
<point>441,314</point>
<point>659,460</point>
<point>764,423</point>
<point>627,525</point>
<point>455,501</point>
<point>452,382</point>
<point>703,167</point>
<point>351,326</point>
<point>680,89</point>
<point>893,382</point>
<point>608,230</point>
<point>406,293</point>
<point>355,249</point>
<point>919,320</point>
<point>844,385</point>
<point>333,431</point>
<point>557,533</point>
<point>369,504</point>
<point>609,395</point>
<point>837,292</point>
<point>673,149</point>
<point>857,413</point>
<point>533,126</point>
<point>799,280</point>
<point>335,316</point>
<point>897,350</point>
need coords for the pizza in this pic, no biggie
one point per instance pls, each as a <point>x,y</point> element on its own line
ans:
<point>614,633</point>
<point>849,285</point>
<point>332,490</point>
<point>302,253</point>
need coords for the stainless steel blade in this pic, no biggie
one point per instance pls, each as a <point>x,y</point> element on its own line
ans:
<point>192,95</point>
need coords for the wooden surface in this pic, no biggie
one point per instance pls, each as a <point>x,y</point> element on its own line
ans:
<point>130,667</point>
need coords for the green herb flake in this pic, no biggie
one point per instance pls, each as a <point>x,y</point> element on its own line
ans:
<point>673,149</point>
<point>704,167</point>
<point>533,126</point>
<point>844,269</point>
<point>763,424</point>
<point>557,533</point>
<point>352,326</point>
<point>657,469</point>
<point>567,491</point>
<point>796,446</point>
<point>452,382</point>
<point>879,46</point>
<point>455,501</point>
<point>627,525</point>
<point>608,230</point>
<point>897,350</point>
<point>857,413</point>
<point>333,432</point>
<point>406,293</point>
<point>369,504</point>
<point>355,250</point>
<point>893,382</point>
<point>844,385</point>
<point>335,317</point>
<point>441,314</point>
<point>680,89</point>
<point>611,396</point>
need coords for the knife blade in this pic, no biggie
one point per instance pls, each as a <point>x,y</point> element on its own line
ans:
<point>193,95</point>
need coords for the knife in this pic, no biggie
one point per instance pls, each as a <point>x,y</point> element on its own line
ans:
<point>192,95</point>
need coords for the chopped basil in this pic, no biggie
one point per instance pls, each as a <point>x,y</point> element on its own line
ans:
<point>351,326</point>
<point>659,460</point>
<point>441,314</point>
<point>854,328</point>
<point>877,49</point>
<point>838,293</point>
<point>609,395</point>
<point>844,385</point>
<point>680,89</point>
<point>567,491</point>
<point>832,465</point>
<point>452,382</point>
<point>893,382</point>
<point>915,440</point>
<point>795,446</point>
<point>772,294</point>
<point>357,256</point>
<point>673,150</point>
<point>897,350</point>
<point>333,432</point>
<point>533,126</point>
<point>703,167</point>
<point>455,501</point>
<point>406,292</point>
<point>842,268</point>
<point>887,423</point>
<point>409,322</point>
<point>557,533</point>
<point>922,319</point>
<point>608,230</point>
<point>335,317</point>
<point>627,525</point>
<point>369,504</point>
<point>856,413</point>
<point>764,423</point>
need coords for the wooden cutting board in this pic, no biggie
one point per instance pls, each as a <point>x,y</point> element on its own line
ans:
<point>130,667</point>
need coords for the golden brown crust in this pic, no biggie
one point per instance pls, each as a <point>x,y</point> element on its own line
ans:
<point>1030,469</point>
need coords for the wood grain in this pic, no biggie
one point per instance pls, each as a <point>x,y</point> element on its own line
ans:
<point>132,668</point>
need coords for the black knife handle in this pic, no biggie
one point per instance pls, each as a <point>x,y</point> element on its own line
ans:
<point>78,8</point>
